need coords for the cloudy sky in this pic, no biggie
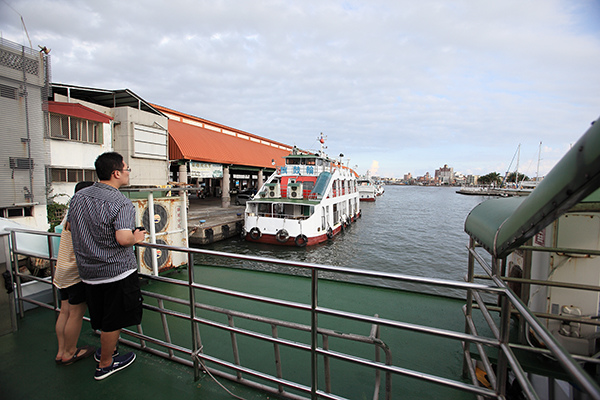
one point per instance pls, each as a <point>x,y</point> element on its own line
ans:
<point>397,86</point>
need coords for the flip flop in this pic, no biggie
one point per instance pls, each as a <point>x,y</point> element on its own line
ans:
<point>87,351</point>
<point>58,361</point>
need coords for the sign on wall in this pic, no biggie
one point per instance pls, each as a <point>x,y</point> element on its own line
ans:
<point>205,170</point>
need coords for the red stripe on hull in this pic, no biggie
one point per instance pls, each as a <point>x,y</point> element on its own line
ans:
<point>271,239</point>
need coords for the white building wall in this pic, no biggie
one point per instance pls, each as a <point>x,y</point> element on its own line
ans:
<point>77,155</point>
<point>21,134</point>
<point>146,169</point>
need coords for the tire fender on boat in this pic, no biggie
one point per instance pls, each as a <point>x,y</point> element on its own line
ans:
<point>243,233</point>
<point>301,240</point>
<point>329,233</point>
<point>282,236</point>
<point>255,233</point>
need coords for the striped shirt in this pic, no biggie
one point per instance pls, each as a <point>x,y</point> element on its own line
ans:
<point>95,214</point>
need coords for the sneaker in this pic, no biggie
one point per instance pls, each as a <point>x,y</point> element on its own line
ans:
<point>118,363</point>
<point>98,353</point>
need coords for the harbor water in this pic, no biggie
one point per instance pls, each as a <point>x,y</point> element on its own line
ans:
<point>410,230</point>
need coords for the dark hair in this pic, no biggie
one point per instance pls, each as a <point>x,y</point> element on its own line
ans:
<point>83,185</point>
<point>106,163</point>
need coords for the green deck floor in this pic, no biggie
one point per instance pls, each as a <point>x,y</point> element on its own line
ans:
<point>28,371</point>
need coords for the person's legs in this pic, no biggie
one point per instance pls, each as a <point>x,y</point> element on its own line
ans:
<point>108,342</point>
<point>72,330</point>
<point>61,322</point>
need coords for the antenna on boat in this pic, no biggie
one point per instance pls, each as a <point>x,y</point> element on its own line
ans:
<point>322,142</point>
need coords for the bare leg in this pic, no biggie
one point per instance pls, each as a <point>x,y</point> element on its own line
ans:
<point>108,341</point>
<point>61,322</point>
<point>72,329</point>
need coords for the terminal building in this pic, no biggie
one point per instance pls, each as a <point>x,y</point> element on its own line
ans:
<point>53,133</point>
<point>219,159</point>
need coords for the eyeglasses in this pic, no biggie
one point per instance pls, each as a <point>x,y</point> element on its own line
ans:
<point>124,169</point>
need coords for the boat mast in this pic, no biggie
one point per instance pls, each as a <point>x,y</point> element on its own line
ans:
<point>537,172</point>
<point>322,143</point>
<point>517,168</point>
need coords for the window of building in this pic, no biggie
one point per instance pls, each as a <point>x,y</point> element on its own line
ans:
<point>76,129</point>
<point>13,212</point>
<point>72,175</point>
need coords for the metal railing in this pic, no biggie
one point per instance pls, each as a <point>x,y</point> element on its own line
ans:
<point>186,309</point>
<point>511,305</point>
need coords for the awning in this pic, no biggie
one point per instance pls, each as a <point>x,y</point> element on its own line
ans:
<point>501,225</point>
<point>79,111</point>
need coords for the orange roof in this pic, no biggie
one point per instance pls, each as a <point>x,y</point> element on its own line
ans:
<point>197,139</point>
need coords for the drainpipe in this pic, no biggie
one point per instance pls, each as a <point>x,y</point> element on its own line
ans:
<point>29,161</point>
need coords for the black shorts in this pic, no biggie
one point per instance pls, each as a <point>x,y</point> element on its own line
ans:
<point>115,305</point>
<point>74,294</point>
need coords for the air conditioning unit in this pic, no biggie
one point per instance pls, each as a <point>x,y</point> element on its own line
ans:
<point>169,230</point>
<point>295,191</point>
<point>273,190</point>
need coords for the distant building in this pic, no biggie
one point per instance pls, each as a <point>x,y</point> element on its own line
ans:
<point>445,175</point>
<point>472,180</point>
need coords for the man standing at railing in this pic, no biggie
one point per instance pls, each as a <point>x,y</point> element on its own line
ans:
<point>103,231</point>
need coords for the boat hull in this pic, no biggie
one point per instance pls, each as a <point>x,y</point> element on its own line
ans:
<point>299,240</point>
<point>307,201</point>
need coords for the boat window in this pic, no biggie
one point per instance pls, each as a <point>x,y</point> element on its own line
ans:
<point>308,185</point>
<point>310,161</point>
<point>319,162</point>
<point>292,161</point>
<point>264,208</point>
<point>307,211</point>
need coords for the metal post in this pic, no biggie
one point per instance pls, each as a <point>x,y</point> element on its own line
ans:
<point>184,214</point>
<point>277,357</point>
<point>195,334</point>
<point>152,226</point>
<point>525,290</point>
<point>326,364</point>
<point>502,375</point>
<point>469,304</point>
<point>234,346</point>
<point>166,331</point>
<point>314,334</point>
<point>16,274</point>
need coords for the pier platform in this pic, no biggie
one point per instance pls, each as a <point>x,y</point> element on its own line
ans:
<point>209,222</point>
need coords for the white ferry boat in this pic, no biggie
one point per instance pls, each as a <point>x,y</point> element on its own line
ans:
<point>307,201</point>
<point>367,189</point>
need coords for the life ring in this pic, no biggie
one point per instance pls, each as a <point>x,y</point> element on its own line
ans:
<point>255,233</point>
<point>282,236</point>
<point>329,233</point>
<point>301,240</point>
